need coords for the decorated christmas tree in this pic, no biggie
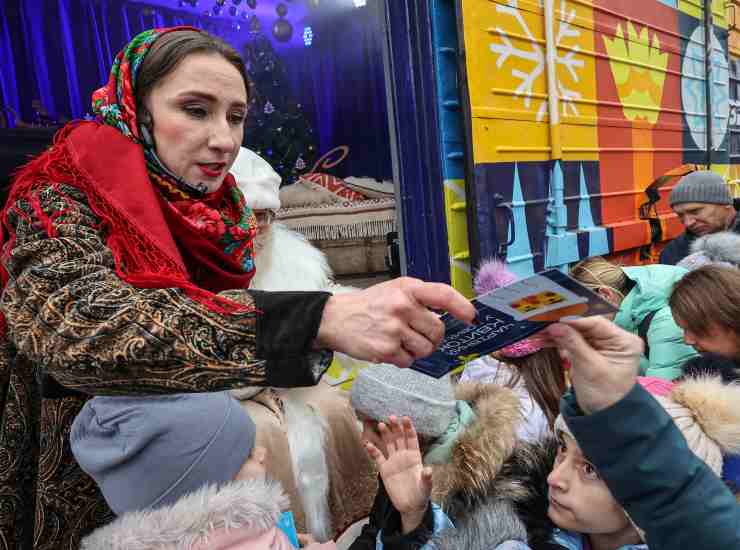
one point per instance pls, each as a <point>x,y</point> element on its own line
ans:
<point>277,128</point>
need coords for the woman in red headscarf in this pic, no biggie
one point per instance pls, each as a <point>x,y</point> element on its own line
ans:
<point>127,249</point>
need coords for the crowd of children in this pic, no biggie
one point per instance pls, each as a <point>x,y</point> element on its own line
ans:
<point>494,459</point>
<point>511,454</point>
<point>128,253</point>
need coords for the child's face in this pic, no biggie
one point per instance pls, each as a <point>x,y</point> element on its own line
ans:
<point>254,467</point>
<point>580,501</point>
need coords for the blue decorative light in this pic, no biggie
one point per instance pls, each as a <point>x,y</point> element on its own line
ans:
<point>307,36</point>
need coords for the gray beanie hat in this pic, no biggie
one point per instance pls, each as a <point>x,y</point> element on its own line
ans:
<point>383,390</point>
<point>147,452</point>
<point>702,186</point>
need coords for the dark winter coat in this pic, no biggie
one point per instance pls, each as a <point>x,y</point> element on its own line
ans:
<point>513,506</point>
<point>712,364</point>
<point>680,247</point>
<point>666,489</point>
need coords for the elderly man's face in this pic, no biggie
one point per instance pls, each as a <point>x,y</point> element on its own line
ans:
<point>702,219</point>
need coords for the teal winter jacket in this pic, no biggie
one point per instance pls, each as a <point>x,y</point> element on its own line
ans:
<point>653,286</point>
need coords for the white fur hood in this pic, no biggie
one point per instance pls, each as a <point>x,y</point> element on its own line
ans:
<point>719,248</point>
<point>286,261</point>
<point>723,246</point>
<point>253,504</point>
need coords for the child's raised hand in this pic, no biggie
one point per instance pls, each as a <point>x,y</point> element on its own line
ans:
<point>407,481</point>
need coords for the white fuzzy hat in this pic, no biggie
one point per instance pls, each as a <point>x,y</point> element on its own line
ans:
<point>721,248</point>
<point>257,180</point>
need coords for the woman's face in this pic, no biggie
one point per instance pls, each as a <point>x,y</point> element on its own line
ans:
<point>579,499</point>
<point>715,339</point>
<point>198,113</point>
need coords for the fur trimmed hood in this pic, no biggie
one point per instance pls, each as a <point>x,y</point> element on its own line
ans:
<point>251,504</point>
<point>483,446</point>
<point>484,529</point>
<point>716,248</point>
<point>286,261</point>
<point>714,406</point>
<point>513,505</point>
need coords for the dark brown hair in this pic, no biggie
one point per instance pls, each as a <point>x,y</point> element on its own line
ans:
<point>169,50</point>
<point>543,377</point>
<point>710,294</point>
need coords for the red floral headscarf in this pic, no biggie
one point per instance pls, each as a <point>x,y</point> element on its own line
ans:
<point>161,235</point>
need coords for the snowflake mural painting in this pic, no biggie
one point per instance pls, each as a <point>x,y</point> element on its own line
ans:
<point>533,57</point>
<point>568,164</point>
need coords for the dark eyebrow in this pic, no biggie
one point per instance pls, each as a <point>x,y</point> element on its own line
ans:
<point>208,97</point>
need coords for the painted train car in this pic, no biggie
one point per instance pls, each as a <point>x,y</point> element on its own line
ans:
<point>562,124</point>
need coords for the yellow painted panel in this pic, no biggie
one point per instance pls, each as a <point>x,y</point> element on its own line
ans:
<point>507,79</point>
<point>457,237</point>
<point>695,8</point>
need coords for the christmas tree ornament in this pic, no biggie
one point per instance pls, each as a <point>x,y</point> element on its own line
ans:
<point>254,24</point>
<point>236,2</point>
<point>281,9</point>
<point>276,125</point>
<point>300,164</point>
<point>282,30</point>
<point>232,11</point>
<point>252,3</point>
<point>220,3</point>
<point>313,3</point>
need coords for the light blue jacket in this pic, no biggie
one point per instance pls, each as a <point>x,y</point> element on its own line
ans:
<point>441,522</point>
<point>575,541</point>
<point>653,287</point>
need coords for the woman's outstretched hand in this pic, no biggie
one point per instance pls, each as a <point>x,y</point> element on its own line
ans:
<point>390,322</point>
<point>407,482</point>
<point>605,359</point>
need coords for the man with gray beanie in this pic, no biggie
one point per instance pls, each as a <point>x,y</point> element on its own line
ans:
<point>704,205</point>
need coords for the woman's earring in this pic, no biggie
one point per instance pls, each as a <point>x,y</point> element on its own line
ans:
<point>145,128</point>
<point>146,136</point>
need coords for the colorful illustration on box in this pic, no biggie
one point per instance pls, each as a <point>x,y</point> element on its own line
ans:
<point>576,108</point>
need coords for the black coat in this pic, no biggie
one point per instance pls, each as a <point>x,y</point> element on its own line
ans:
<point>680,247</point>
<point>383,515</point>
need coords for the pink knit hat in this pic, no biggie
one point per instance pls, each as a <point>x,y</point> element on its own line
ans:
<point>493,274</point>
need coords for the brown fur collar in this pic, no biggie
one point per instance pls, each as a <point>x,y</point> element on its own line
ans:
<point>483,446</point>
